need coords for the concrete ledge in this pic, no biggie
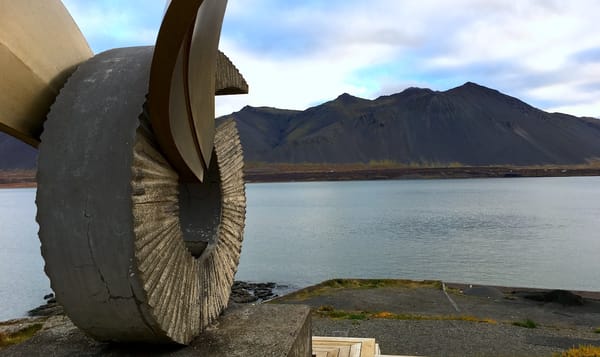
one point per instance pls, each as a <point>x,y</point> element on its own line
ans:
<point>249,331</point>
<point>262,330</point>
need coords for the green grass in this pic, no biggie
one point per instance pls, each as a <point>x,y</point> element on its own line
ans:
<point>330,312</point>
<point>19,336</point>
<point>597,330</point>
<point>331,286</point>
<point>336,284</point>
<point>357,316</point>
<point>526,323</point>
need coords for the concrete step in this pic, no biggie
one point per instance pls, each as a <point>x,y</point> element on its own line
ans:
<point>346,347</point>
<point>247,330</point>
<point>343,347</point>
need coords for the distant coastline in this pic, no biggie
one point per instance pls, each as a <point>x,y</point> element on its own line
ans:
<point>17,178</point>
<point>356,172</point>
<point>323,172</point>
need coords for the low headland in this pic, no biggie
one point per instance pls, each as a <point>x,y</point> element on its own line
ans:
<point>406,317</point>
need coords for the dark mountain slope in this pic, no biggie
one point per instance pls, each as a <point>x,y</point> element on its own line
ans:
<point>16,155</point>
<point>470,124</point>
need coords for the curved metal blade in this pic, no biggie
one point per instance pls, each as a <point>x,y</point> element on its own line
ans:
<point>40,46</point>
<point>202,72</point>
<point>181,124</point>
<point>191,27</point>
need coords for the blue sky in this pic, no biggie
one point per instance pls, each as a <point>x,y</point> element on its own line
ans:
<point>296,54</point>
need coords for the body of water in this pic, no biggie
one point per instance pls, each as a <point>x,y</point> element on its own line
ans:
<point>534,232</point>
<point>23,283</point>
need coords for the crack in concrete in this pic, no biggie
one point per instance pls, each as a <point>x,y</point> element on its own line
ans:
<point>88,217</point>
<point>155,202</point>
<point>116,297</point>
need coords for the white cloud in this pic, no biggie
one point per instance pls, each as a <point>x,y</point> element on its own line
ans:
<point>110,24</point>
<point>297,54</point>
<point>590,109</point>
<point>491,41</point>
<point>290,84</point>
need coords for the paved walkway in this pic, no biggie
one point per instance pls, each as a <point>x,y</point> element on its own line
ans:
<point>427,321</point>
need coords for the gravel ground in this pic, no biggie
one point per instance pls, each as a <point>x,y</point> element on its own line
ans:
<point>453,338</point>
<point>559,327</point>
<point>434,322</point>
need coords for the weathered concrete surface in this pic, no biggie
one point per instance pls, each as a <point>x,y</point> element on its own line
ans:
<point>261,330</point>
<point>109,213</point>
<point>84,194</point>
<point>229,80</point>
<point>249,331</point>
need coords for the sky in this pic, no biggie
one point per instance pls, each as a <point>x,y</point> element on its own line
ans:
<point>300,53</point>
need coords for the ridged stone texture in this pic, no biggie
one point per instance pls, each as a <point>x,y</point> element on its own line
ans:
<point>109,212</point>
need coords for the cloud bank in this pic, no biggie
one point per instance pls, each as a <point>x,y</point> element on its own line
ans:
<point>296,54</point>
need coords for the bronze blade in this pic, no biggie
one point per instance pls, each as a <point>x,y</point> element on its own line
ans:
<point>202,72</point>
<point>40,46</point>
<point>200,21</point>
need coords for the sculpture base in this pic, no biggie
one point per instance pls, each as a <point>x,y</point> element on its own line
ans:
<point>254,330</point>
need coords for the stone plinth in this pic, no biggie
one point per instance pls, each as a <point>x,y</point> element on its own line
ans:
<point>249,331</point>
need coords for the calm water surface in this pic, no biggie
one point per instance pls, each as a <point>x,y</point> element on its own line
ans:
<point>537,232</point>
<point>22,280</point>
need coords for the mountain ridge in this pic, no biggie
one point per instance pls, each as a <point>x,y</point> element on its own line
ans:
<point>472,125</point>
<point>15,154</point>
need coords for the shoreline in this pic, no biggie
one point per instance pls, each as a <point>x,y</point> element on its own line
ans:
<point>253,292</point>
<point>18,185</point>
<point>17,179</point>
<point>323,172</point>
<point>346,173</point>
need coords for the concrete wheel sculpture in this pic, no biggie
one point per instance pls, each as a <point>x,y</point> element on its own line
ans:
<point>141,201</point>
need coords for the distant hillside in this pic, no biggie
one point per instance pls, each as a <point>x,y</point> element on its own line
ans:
<point>470,125</point>
<point>16,155</point>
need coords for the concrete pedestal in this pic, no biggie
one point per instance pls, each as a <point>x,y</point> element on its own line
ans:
<point>249,331</point>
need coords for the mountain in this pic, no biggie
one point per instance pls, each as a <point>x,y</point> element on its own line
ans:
<point>15,154</point>
<point>470,124</point>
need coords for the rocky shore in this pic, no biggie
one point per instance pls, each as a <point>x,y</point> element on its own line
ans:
<point>50,308</point>
<point>242,292</point>
<point>51,316</point>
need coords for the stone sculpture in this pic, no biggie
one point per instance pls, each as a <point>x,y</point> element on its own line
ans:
<point>141,201</point>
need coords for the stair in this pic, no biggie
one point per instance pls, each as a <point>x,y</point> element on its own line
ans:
<point>346,347</point>
<point>343,347</point>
